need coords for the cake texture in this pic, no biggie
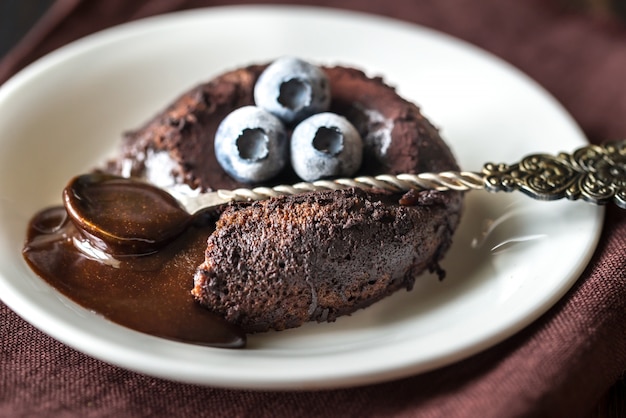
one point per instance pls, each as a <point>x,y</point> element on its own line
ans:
<point>279,263</point>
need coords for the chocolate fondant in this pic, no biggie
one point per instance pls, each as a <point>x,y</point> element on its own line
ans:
<point>279,263</point>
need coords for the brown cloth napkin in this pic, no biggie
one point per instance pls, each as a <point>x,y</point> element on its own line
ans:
<point>559,366</point>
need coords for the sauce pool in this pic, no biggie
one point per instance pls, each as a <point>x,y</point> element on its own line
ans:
<point>148,293</point>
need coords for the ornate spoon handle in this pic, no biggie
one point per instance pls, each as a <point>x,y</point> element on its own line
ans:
<point>594,173</point>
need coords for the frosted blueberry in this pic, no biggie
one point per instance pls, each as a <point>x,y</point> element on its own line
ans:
<point>325,145</point>
<point>292,89</point>
<point>251,145</point>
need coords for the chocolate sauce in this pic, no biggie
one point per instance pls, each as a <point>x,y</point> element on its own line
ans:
<point>149,292</point>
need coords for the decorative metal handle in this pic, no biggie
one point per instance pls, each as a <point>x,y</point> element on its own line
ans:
<point>594,173</point>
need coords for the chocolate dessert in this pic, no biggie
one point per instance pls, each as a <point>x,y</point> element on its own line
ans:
<point>277,264</point>
<point>252,266</point>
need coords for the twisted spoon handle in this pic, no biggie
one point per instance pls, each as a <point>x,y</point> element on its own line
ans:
<point>594,173</point>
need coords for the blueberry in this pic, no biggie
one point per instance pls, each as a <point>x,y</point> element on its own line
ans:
<point>251,145</point>
<point>292,89</point>
<point>325,145</point>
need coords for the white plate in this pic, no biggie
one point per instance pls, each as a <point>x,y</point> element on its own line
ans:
<point>63,114</point>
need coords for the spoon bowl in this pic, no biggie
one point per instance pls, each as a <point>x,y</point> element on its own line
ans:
<point>123,216</point>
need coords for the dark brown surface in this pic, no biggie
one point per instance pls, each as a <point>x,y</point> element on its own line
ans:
<point>561,365</point>
<point>280,263</point>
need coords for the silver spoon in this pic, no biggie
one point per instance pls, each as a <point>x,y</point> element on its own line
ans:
<point>131,216</point>
<point>596,174</point>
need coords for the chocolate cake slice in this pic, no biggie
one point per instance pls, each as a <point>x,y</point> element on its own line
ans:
<point>276,264</point>
<point>280,263</point>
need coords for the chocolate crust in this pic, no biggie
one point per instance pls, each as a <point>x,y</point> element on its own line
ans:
<point>185,131</point>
